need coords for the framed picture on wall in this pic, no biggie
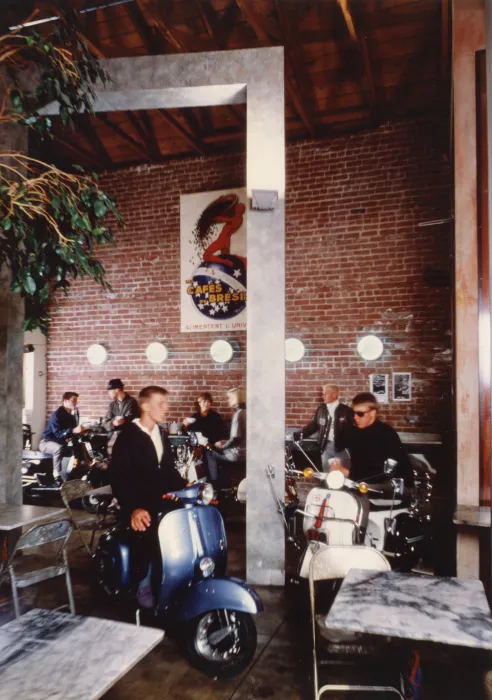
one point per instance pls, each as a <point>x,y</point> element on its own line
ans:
<point>379,387</point>
<point>402,386</point>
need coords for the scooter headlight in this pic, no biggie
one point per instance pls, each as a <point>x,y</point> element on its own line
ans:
<point>207,565</point>
<point>206,494</point>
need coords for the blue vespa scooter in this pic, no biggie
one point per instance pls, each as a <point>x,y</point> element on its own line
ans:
<point>212,612</point>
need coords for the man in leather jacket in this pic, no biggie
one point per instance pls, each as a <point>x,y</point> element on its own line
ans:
<point>123,408</point>
<point>333,424</point>
<point>141,472</point>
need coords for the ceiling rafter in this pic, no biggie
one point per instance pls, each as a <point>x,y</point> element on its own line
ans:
<point>79,150</point>
<point>256,22</point>
<point>84,124</point>
<point>152,141</point>
<point>142,124</point>
<point>134,145</point>
<point>155,12</point>
<point>176,126</point>
<point>207,22</point>
<point>360,41</point>
<point>152,43</point>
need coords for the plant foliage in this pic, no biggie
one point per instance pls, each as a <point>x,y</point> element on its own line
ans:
<point>50,220</point>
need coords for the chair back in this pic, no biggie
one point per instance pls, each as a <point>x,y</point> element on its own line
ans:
<point>43,534</point>
<point>76,488</point>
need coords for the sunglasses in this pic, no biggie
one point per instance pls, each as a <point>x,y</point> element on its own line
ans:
<point>361,414</point>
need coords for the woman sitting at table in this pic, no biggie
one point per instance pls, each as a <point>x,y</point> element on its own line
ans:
<point>233,450</point>
<point>206,421</point>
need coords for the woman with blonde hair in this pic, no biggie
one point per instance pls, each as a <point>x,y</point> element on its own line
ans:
<point>232,450</point>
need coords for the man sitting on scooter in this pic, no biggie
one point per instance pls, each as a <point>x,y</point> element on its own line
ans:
<point>61,426</point>
<point>372,443</point>
<point>141,472</point>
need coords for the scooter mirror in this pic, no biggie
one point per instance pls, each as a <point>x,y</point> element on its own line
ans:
<point>390,466</point>
<point>335,479</point>
<point>308,473</point>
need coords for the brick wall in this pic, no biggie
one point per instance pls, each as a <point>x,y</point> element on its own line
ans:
<point>356,263</point>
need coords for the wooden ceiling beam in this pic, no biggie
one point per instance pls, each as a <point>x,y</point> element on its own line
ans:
<point>152,140</point>
<point>134,145</point>
<point>176,126</point>
<point>145,132</point>
<point>360,41</point>
<point>445,38</point>
<point>79,151</point>
<point>151,42</point>
<point>207,22</point>
<point>83,122</point>
<point>256,22</point>
<point>155,12</point>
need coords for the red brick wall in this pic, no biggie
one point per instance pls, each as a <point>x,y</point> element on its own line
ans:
<point>348,274</point>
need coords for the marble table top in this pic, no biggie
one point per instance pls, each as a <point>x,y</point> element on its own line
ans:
<point>448,611</point>
<point>47,655</point>
<point>12,516</point>
<point>475,516</point>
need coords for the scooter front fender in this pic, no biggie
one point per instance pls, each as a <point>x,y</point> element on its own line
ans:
<point>215,594</point>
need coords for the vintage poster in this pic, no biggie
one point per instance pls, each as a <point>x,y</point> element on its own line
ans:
<point>402,386</point>
<point>213,261</point>
<point>379,387</point>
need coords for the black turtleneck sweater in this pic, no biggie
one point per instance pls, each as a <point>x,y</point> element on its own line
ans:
<point>370,447</point>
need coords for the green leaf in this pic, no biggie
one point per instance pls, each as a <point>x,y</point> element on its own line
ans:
<point>99,208</point>
<point>29,285</point>
<point>7,224</point>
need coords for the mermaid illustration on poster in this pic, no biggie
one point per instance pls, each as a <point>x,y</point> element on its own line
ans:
<point>213,260</point>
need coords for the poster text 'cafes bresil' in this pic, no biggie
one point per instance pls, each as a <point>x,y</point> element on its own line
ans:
<point>213,261</point>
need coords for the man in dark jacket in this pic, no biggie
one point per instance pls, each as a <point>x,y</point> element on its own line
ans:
<point>123,408</point>
<point>373,442</point>
<point>62,424</point>
<point>333,423</point>
<point>141,472</point>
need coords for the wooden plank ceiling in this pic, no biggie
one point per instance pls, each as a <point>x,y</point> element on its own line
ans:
<point>350,64</point>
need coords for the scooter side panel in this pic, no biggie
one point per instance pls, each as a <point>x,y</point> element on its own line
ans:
<point>180,549</point>
<point>215,594</point>
<point>213,537</point>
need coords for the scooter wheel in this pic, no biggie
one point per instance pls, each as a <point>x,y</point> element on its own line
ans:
<point>221,643</point>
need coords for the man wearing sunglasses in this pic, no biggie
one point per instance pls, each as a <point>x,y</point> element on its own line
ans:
<point>373,442</point>
<point>332,422</point>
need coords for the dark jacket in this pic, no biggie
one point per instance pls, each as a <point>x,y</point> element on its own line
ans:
<point>212,426</point>
<point>137,478</point>
<point>370,447</point>
<point>60,426</point>
<point>128,409</point>
<point>320,424</point>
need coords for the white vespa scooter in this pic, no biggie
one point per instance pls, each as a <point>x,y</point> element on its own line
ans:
<point>382,516</point>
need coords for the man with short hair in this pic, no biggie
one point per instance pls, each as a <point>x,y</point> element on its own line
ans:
<point>141,472</point>
<point>333,422</point>
<point>62,424</point>
<point>372,443</point>
<point>123,408</point>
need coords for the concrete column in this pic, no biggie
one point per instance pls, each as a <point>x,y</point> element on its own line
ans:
<point>265,168</point>
<point>35,385</point>
<point>468,37</point>
<point>11,343</point>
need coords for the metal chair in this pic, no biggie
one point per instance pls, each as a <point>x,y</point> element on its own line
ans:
<point>333,562</point>
<point>38,536</point>
<point>75,490</point>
